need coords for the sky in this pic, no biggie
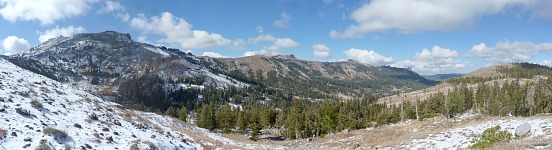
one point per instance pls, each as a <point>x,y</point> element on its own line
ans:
<point>427,36</point>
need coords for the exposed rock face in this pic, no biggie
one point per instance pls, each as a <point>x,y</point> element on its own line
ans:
<point>523,130</point>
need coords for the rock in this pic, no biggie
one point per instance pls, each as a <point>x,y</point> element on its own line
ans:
<point>523,130</point>
<point>26,145</point>
<point>345,131</point>
<point>77,125</point>
<point>109,139</point>
<point>28,139</point>
<point>22,112</point>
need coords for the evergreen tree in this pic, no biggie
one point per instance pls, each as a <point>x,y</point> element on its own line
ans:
<point>182,114</point>
<point>171,111</point>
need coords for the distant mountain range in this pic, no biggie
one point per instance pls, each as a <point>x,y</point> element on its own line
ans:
<point>113,66</point>
<point>441,77</point>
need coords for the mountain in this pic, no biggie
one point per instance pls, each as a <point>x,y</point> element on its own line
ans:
<point>40,112</point>
<point>113,66</point>
<point>441,77</point>
<point>346,79</point>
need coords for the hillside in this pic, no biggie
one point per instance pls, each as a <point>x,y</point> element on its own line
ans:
<point>39,112</point>
<point>346,79</point>
<point>520,73</point>
<point>34,106</point>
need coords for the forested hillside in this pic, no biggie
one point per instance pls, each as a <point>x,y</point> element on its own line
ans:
<point>319,80</point>
<point>303,118</point>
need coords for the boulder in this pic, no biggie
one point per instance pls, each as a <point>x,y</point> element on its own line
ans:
<point>523,130</point>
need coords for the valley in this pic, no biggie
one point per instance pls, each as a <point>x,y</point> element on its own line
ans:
<point>107,91</point>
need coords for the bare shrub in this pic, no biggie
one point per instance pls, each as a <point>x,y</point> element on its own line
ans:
<point>58,134</point>
<point>150,144</point>
<point>36,104</point>
<point>43,146</point>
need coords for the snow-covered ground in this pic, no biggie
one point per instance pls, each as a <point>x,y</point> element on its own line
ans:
<point>460,137</point>
<point>223,80</point>
<point>70,110</point>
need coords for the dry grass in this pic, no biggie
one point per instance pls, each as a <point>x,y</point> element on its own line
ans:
<point>539,142</point>
<point>3,133</point>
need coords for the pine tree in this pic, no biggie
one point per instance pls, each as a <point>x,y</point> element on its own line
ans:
<point>171,111</point>
<point>182,114</point>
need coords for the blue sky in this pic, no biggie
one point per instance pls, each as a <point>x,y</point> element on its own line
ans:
<point>429,36</point>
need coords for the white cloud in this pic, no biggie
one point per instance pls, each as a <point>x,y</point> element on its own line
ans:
<point>261,52</point>
<point>110,6</point>
<point>177,31</point>
<point>283,22</point>
<point>261,38</point>
<point>125,17</point>
<point>250,53</point>
<point>420,15</point>
<point>541,8</point>
<point>368,56</point>
<point>14,44</point>
<point>282,43</point>
<point>274,49</point>
<point>321,51</point>
<point>213,54</point>
<point>44,11</point>
<point>438,60</point>
<point>259,29</point>
<point>435,53</point>
<point>57,31</point>
<point>237,44</point>
<point>505,51</point>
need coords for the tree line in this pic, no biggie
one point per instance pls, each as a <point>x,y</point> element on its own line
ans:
<point>303,118</point>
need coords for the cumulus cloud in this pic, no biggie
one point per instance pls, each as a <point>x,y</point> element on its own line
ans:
<point>110,6</point>
<point>438,60</point>
<point>505,51</point>
<point>177,31</point>
<point>261,52</point>
<point>250,53</point>
<point>541,8</point>
<point>321,51</point>
<point>420,15</point>
<point>57,31</point>
<point>213,54</point>
<point>274,49</point>
<point>283,22</point>
<point>368,56</point>
<point>14,44</point>
<point>261,38</point>
<point>282,43</point>
<point>44,11</point>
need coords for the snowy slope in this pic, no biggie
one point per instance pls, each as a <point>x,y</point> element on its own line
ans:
<point>460,137</point>
<point>63,107</point>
